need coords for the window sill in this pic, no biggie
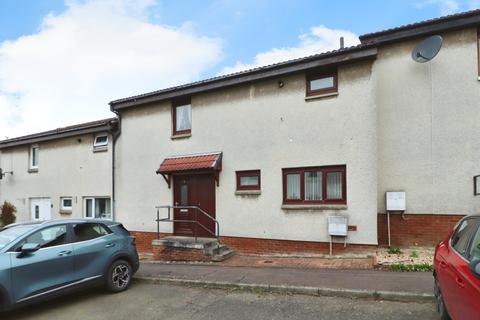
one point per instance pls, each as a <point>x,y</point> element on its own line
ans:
<point>248,192</point>
<point>181,136</point>
<point>315,207</point>
<point>319,96</point>
<point>32,170</point>
<point>100,149</point>
<point>65,211</point>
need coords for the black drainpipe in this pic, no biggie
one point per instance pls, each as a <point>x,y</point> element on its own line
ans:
<point>115,134</point>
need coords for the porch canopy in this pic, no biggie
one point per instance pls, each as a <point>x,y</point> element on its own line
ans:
<point>194,163</point>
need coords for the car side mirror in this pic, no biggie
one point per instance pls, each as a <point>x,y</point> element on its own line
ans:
<point>475,267</point>
<point>29,248</point>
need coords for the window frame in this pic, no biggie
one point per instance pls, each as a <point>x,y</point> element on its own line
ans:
<point>325,170</point>
<point>68,240</point>
<point>321,74</point>
<point>74,237</point>
<point>466,247</point>
<point>102,144</point>
<point>31,165</point>
<point>94,199</point>
<point>248,173</point>
<point>64,208</point>
<point>179,103</point>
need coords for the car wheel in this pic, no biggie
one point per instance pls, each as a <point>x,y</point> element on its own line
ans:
<point>441,308</point>
<point>119,276</point>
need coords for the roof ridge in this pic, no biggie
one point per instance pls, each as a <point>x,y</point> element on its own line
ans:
<point>418,23</point>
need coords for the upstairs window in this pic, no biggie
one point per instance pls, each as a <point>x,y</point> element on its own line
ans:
<point>182,118</point>
<point>315,185</point>
<point>34,151</point>
<point>100,142</point>
<point>322,82</point>
<point>248,180</point>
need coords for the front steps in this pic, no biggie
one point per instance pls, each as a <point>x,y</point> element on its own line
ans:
<point>177,248</point>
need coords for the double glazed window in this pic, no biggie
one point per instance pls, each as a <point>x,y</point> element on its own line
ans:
<point>66,203</point>
<point>248,180</point>
<point>100,142</point>
<point>97,208</point>
<point>182,118</point>
<point>34,151</point>
<point>315,185</point>
<point>322,82</point>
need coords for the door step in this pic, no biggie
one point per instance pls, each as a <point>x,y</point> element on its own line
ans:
<point>177,248</point>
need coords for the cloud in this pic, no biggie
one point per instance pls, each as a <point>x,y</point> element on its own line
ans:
<point>319,39</point>
<point>446,6</point>
<point>93,52</point>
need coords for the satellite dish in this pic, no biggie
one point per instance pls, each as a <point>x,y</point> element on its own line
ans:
<point>427,49</point>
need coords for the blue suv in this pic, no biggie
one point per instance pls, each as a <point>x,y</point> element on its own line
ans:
<point>44,259</point>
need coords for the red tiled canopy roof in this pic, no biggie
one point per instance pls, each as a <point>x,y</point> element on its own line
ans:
<point>190,163</point>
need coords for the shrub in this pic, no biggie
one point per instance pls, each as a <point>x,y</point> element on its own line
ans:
<point>7,215</point>
<point>414,254</point>
<point>411,267</point>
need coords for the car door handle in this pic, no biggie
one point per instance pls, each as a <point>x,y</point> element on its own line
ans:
<point>460,282</point>
<point>110,245</point>
<point>443,264</point>
<point>64,253</point>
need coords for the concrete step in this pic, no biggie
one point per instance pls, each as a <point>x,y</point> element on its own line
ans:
<point>219,249</point>
<point>223,256</point>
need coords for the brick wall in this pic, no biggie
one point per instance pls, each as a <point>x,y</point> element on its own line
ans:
<point>263,246</point>
<point>269,246</point>
<point>416,229</point>
<point>144,240</point>
<point>166,253</point>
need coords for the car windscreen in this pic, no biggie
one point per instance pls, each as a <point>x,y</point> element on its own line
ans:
<point>10,234</point>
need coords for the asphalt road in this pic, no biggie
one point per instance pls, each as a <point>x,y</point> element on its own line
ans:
<point>145,301</point>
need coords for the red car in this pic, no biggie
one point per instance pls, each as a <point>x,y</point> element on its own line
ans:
<point>457,271</point>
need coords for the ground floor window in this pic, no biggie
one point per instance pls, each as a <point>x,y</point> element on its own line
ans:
<point>248,180</point>
<point>315,185</point>
<point>97,208</point>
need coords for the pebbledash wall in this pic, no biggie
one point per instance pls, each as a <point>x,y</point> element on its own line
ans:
<point>258,126</point>
<point>68,167</point>
<point>396,124</point>
<point>428,122</point>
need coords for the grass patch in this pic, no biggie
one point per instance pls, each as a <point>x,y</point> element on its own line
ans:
<point>414,254</point>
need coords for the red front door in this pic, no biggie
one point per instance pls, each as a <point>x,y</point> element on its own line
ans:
<point>194,190</point>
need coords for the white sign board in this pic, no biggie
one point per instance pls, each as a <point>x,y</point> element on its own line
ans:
<point>396,201</point>
<point>337,226</point>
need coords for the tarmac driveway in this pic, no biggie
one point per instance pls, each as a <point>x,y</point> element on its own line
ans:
<point>146,301</point>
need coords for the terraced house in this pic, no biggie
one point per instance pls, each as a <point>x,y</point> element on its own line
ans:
<point>268,155</point>
<point>61,173</point>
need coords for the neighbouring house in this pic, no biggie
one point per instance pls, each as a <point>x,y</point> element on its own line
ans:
<point>61,173</point>
<point>271,153</point>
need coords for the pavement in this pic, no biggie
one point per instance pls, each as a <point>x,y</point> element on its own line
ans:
<point>387,285</point>
<point>166,302</point>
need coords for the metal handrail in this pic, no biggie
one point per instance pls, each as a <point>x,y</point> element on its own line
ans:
<point>196,222</point>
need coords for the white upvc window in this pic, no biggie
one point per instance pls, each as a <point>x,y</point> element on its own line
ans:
<point>34,152</point>
<point>101,141</point>
<point>97,208</point>
<point>66,203</point>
